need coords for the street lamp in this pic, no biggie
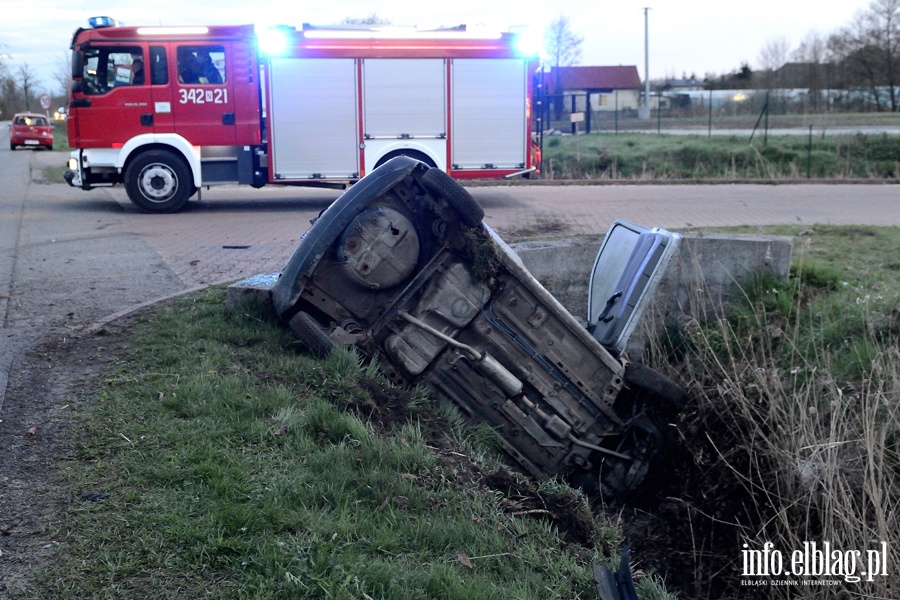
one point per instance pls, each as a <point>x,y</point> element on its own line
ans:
<point>644,111</point>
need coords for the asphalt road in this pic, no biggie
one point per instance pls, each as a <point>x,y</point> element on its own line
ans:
<point>70,258</point>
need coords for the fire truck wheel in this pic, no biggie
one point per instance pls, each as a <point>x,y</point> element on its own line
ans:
<point>159,181</point>
<point>442,185</point>
<point>414,154</point>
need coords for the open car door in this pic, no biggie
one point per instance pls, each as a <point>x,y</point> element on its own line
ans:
<point>629,265</point>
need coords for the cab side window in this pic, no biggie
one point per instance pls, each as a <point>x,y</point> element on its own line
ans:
<point>203,65</point>
<point>159,66</point>
<point>106,68</point>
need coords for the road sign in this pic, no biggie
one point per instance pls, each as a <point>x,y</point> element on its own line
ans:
<point>45,101</point>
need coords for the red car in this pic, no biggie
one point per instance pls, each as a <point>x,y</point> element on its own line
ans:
<point>30,129</point>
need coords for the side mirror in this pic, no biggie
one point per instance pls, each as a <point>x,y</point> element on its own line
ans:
<point>77,64</point>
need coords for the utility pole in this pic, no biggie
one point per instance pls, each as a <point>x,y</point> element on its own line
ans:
<point>644,111</point>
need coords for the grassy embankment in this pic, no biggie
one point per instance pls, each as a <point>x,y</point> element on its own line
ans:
<point>794,434</point>
<point>237,466</point>
<point>668,158</point>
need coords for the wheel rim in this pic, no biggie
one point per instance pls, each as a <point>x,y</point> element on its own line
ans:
<point>158,182</point>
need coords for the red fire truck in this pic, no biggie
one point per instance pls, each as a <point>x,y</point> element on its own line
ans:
<point>166,110</point>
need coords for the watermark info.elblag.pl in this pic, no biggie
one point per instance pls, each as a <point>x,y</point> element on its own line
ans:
<point>812,564</point>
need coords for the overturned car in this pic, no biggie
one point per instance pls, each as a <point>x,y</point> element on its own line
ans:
<point>402,267</point>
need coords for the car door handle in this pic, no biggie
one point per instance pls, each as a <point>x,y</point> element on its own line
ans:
<point>228,119</point>
<point>147,120</point>
<point>79,103</point>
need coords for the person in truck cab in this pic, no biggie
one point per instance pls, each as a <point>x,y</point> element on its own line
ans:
<point>137,72</point>
<point>189,68</point>
<point>208,70</point>
<point>198,69</point>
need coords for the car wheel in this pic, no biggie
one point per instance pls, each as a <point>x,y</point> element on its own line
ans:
<point>12,146</point>
<point>159,181</point>
<point>673,395</point>
<point>442,185</point>
<point>311,334</point>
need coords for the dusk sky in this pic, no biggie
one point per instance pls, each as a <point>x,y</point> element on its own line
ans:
<point>686,37</point>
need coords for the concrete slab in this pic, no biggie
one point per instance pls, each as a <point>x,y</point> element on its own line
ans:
<point>705,276</point>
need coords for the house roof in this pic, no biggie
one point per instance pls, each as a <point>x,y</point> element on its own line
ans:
<point>596,79</point>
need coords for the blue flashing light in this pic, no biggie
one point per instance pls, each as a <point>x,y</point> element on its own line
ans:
<point>100,22</point>
<point>529,41</point>
<point>274,41</point>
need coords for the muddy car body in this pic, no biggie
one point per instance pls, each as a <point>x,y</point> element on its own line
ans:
<point>402,267</point>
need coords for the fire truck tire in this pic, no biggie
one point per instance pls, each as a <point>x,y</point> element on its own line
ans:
<point>159,181</point>
<point>442,185</point>
<point>414,154</point>
<point>311,334</point>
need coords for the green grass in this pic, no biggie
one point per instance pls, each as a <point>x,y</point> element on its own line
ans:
<point>238,467</point>
<point>699,157</point>
<point>841,301</point>
<point>60,136</point>
<point>796,390</point>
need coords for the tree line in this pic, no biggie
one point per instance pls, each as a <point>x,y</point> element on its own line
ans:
<point>861,58</point>
<point>20,86</point>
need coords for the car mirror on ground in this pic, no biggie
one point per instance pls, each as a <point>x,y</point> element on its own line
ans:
<point>402,267</point>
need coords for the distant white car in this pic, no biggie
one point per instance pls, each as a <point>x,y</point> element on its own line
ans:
<point>60,114</point>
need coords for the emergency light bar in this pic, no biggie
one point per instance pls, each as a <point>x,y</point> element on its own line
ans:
<point>172,30</point>
<point>100,22</point>
<point>398,33</point>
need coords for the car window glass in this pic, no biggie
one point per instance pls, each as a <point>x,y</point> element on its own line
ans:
<point>201,64</point>
<point>159,66</point>
<point>106,68</point>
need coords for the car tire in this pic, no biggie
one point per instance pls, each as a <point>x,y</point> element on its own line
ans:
<point>442,185</point>
<point>312,335</point>
<point>12,146</point>
<point>159,181</point>
<point>673,395</point>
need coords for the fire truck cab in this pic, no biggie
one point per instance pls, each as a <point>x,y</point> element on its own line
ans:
<point>166,110</point>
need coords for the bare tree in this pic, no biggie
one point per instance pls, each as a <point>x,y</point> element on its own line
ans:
<point>812,56</point>
<point>870,50</point>
<point>27,81</point>
<point>563,49</point>
<point>774,53</point>
<point>884,29</point>
<point>63,73</point>
<point>561,44</point>
<point>773,57</point>
<point>6,84</point>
